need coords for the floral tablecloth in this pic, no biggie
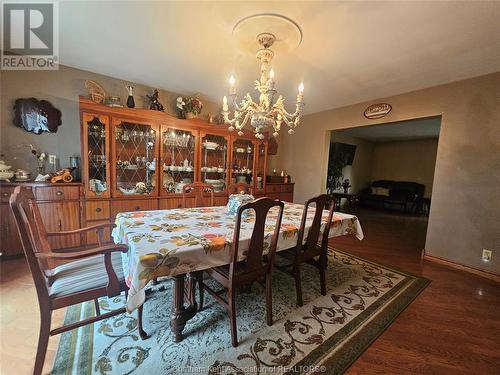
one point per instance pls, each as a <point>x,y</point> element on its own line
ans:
<point>178,241</point>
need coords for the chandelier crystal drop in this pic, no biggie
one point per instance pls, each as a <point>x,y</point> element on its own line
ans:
<point>269,111</point>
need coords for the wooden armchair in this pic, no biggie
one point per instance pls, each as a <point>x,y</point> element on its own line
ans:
<point>239,187</point>
<point>253,268</point>
<point>87,275</point>
<point>311,249</point>
<point>200,190</point>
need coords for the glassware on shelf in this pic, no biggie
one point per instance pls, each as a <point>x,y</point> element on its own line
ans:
<point>214,161</point>
<point>260,166</point>
<point>243,155</point>
<point>135,150</point>
<point>96,156</point>
<point>178,158</point>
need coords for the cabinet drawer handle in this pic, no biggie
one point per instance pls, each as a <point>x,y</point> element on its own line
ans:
<point>98,209</point>
<point>5,194</point>
<point>137,208</point>
<point>59,193</point>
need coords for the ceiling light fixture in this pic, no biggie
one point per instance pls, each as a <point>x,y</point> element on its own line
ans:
<point>269,111</point>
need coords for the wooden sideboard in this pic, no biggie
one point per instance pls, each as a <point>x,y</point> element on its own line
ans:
<point>60,207</point>
<point>65,207</point>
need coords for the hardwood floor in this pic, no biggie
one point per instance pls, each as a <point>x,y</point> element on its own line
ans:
<point>20,320</point>
<point>453,327</point>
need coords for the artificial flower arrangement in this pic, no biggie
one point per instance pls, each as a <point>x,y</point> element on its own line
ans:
<point>40,159</point>
<point>188,106</point>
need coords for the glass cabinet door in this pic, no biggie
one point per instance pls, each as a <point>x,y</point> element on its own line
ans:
<point>178,157</point>
<point>242,161</point>
<point>260,167</point>
<point>214,161</point>
<point>96,155</point>
<point>135,158</point>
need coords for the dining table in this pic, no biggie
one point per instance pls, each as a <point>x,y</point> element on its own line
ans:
<point>178,242</point>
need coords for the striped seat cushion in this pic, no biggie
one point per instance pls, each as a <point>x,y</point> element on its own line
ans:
<point>84,274</point>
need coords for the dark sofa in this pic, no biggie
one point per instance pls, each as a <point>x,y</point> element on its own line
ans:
<point>403,195</point>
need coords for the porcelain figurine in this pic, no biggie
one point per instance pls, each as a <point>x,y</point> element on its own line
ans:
<point>155,102</point>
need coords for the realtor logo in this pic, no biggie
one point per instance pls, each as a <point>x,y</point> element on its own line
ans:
<point>30,39</point>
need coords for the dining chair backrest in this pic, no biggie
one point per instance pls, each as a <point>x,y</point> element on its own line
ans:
<point>253,264</point>
<point>33,236</point>
<point>201,192</point>
<point>310,248</point>
<point>238,187</point>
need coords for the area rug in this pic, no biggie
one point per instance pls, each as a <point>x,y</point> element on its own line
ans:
<point>326,335</point>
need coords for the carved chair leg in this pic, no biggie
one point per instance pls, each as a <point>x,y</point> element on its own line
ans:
<point>142,333</point>
<point>232,317</point>
<point>43,340</point>
<point>269,300</point>
<point>199,278</point>
<point>298,286</point>
<point>155,281</point>
<point>97,309</point>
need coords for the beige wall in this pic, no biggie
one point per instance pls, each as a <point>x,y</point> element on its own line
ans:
<point>61,88</point>
<point>405,161</point>
<point>465,212</point>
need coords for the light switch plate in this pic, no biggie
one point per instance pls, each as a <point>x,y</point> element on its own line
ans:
<point>52,159</point>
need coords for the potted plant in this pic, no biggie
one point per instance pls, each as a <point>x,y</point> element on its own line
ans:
<point>188,106</point>
<point>336,165</point>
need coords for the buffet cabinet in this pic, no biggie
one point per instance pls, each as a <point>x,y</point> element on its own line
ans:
<point>60,207</point>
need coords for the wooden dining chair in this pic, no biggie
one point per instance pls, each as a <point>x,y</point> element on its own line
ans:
<point>200,190</point>
<point>311,252</point>
<point>239,187</point>
<point>253,268</point>
<point>86,275</point>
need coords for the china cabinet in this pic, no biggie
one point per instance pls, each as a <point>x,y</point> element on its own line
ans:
<point>134,157</point>
<point>141,154</point>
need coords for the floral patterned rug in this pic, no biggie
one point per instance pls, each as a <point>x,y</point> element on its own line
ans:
<point>326,335</point>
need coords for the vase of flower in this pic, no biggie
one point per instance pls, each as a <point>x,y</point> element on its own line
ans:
<point>40,160</point>
<point>188,107</point>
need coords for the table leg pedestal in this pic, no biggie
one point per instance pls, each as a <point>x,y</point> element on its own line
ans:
<point>180,314</point>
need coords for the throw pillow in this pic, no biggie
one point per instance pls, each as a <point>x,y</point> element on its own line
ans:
<point>383,191</point>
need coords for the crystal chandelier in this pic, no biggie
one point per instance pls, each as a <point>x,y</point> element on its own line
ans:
<point>268,111</point>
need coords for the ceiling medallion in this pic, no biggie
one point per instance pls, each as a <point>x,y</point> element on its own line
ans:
<point>270,110</point>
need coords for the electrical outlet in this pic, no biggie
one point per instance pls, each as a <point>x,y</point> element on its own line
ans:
<point>52,159</point>
<point>487,254</point>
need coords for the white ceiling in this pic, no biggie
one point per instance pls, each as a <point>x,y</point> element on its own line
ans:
<point>396,131</point>
<point>350,52</point>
